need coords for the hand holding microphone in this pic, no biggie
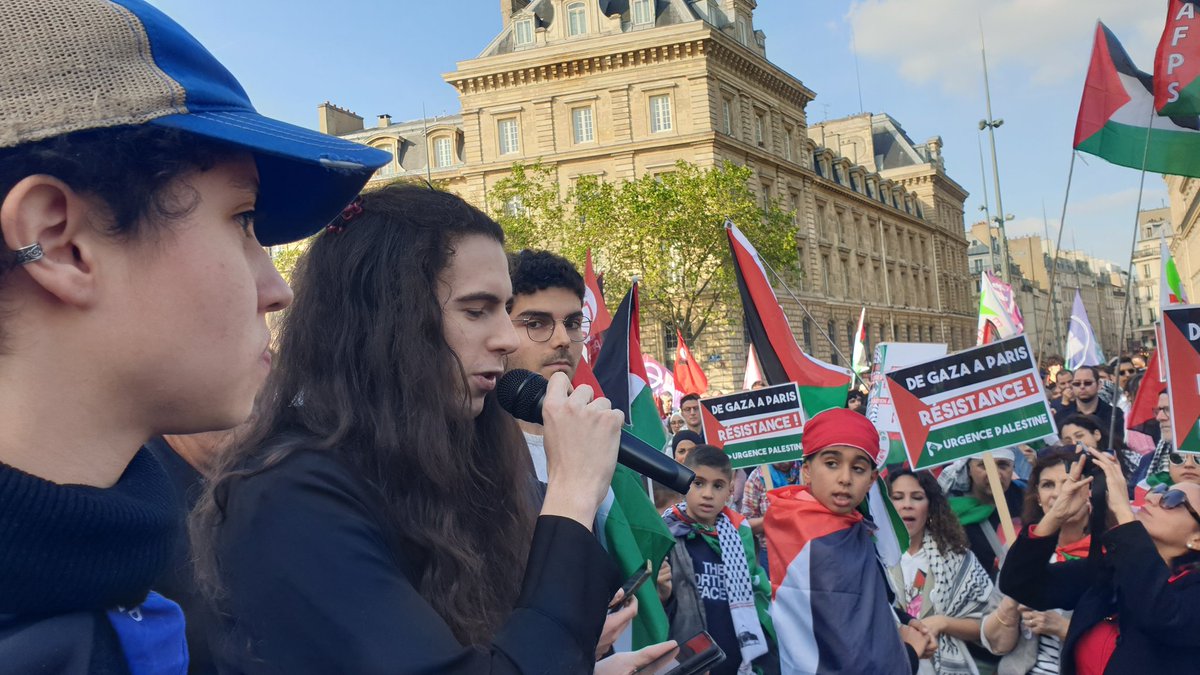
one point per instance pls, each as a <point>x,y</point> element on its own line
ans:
<point>581,436</point>
<point>525,396</point>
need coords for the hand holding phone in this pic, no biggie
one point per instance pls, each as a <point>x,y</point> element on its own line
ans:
<point>631,586</point>
<point>696,655</point>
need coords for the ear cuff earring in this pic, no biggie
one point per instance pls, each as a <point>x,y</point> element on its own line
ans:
<point>30,253</point>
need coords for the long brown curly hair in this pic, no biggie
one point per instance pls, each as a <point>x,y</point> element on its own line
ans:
<point>364,371</point>
<point>947,534</point>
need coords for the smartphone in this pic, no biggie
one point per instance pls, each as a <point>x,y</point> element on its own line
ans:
<point>631,586</point>
<point>696,655</point>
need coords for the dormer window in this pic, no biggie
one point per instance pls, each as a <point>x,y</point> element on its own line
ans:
<point>643,12</point>
<point>576,19</point>
<point>443,152</point>
<point>523,30</point>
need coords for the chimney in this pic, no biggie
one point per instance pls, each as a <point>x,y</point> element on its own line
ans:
<point>337,121</point>
<point>384,120</point>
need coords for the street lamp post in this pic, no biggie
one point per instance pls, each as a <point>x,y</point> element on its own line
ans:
<point>991,125</point>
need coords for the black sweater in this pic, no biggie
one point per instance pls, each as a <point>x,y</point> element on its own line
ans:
<point>313,586</point>
<point>68,553</point>
<point>1159,618</point>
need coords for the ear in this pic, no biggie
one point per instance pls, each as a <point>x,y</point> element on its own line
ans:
<point>44,210</point>
<point>805,474</point>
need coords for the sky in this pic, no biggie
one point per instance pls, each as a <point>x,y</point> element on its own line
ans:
<point>917,60</point>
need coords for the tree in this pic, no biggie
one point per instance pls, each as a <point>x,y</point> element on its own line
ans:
<point>667,230</point>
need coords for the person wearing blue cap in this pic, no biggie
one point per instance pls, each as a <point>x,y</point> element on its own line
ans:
<point>138,186</point>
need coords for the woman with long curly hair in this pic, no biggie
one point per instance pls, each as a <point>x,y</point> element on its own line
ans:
<point>379,517</point>
<point>942,582</point>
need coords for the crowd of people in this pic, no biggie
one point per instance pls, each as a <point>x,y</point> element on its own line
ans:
<point>183,489</point>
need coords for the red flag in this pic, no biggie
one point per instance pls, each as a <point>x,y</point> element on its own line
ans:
<point>594,311</point>
<point>1146,400</point>
<point>688,377</point>
<point>1177,62</point>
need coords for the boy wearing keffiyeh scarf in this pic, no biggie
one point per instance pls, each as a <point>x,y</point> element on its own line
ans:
<point>716,582</point>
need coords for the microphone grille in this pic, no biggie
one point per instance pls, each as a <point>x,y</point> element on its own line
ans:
<point>520,392</point>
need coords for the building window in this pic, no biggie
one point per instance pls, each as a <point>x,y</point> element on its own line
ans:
<point>443,152</point>
<point>727,115</point>
<point>576,19</point>
<point>787,144</point>
<point>581,125</point>
<point>643,12</point>
<point>833,354</point>
<point>660,113</point>
<point>743,32</point>
<point>670,345</point>
<point>808,347</point>
<point>758,128</point>
<point>851,338</point>
<point>523,30</point>
<point>817,166</point>
<point>508,133</point>
<point>825,274</point>
<point>514,207</point>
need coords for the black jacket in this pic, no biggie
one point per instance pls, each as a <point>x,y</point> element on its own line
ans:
<point>70,553</point>
<point>313,586</point>
<point>1159,618</point>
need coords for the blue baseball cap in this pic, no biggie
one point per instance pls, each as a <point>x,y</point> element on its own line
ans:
<point>74,65</point>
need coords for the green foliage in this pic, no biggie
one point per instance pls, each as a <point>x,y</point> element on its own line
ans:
<point>667,230</point>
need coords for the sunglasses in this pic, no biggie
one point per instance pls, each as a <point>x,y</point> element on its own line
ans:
<point>1179,459</point>
<point>1082,383</point>
<point>1172,499</point>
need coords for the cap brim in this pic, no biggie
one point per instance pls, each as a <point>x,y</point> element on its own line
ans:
<point>305,177</point>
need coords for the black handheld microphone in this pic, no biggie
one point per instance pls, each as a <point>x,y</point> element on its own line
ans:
<point>521,393</point>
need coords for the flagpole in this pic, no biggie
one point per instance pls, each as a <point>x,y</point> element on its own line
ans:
<point>1062,225</point>
<point>1112,422</point>
<point>816,323</point>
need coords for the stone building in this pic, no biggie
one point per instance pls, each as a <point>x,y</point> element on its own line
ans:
<point>1154,229</point>
<point>1101,285</point>
<point>1184,196</point>
<point>624,88</point>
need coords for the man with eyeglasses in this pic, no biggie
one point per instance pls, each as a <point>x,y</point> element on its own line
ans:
<point>547,311</point>
<point>689,406</point>
<point>1085,384</point>
<point>1165,466</point>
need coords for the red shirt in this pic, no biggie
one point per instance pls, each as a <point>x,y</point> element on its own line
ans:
<point>1096,647</point>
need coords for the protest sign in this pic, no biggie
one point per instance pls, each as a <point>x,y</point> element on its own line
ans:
<point>761,426</point>
<point>888,357</point>
<point>1181,350</point>
<point>980,399</point>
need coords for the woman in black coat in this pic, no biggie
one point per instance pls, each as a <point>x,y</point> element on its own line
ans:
<point>1137,606</point>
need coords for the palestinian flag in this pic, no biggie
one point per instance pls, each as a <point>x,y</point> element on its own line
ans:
<point>1177,62</point>
<point>1182,349</point>
<point>1171,287</point>
<point>858,361</point>
<point>830,606</point>
<point>689,378</point>
<point>999,315</point>
<point>1117,115</point>
<point>822,386</point>
<point>633,531</point>
<point>594,311</point>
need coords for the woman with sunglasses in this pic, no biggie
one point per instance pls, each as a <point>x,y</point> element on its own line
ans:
<point>1137,606</point>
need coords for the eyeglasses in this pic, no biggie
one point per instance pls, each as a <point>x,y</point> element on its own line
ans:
<point>1172,499</point>
<point>541,328</point>
<point>1126,371</point>
<point>1166,410</point>
<point>690,409</point>
<point>1179,459</point>
<point>1083,383</point>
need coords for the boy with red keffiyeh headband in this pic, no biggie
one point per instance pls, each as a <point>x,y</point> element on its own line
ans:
<point>832,603</point>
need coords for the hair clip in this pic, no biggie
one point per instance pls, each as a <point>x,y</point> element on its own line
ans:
<point>352,211</point>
